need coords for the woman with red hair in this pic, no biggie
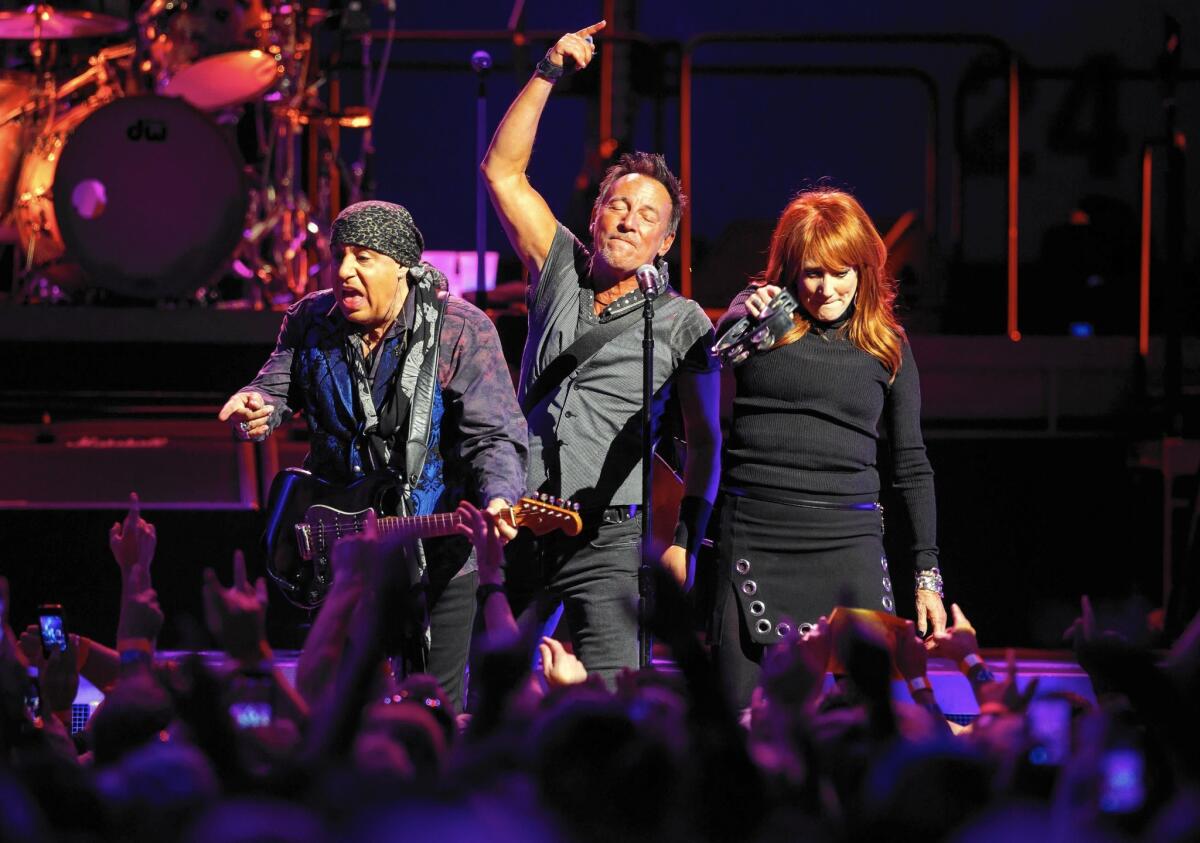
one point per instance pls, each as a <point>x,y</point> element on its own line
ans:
<point>801,527</point>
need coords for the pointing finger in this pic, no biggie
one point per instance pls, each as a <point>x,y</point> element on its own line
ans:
<point>591,30</point>
<point>239,570</point>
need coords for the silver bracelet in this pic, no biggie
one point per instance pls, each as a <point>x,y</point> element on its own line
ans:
<point>930,580</point>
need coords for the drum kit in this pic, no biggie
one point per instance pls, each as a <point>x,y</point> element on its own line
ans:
<point>128,176</point>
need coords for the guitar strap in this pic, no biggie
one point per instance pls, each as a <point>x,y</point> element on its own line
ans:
<point>616,319</point>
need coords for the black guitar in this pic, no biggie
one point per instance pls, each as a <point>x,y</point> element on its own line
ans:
<point>306,516</point>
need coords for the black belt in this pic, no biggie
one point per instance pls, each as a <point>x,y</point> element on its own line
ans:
<point>792,500</point>
<point>610,515</point>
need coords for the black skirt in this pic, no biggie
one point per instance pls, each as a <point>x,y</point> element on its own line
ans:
<point>787,564</point>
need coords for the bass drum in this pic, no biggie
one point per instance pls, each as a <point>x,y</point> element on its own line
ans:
<point>146,193</point>
<point>16,91</point>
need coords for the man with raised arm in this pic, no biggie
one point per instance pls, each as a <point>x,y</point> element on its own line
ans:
<point>581,395</point>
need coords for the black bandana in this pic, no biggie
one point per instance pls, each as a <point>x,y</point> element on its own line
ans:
<point>384,227</point>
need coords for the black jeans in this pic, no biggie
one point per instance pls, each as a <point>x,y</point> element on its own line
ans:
<point>595,577</point>
<point>451,617</point>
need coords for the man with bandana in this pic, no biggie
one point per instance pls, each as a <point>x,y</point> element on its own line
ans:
<point>583,396</point>
<point>359,361</point>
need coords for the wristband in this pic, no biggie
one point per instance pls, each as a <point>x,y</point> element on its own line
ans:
<point>969,661</point>
<point>135,658</point>
<point>694,512</point>
<point>143,645</point>
<point>918,683</point>
<point>486,590</point>
<point>548,70</point>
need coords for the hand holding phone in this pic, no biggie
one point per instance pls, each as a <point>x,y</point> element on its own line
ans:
<point>52,628</point>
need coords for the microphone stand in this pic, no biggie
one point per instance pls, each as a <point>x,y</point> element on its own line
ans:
<point>481,63</point>
<point>648,279</point>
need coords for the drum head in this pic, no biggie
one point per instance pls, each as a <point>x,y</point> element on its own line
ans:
<point>225,80</point>
<point>149,196</point>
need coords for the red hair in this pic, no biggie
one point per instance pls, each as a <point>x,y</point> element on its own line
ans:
<point>829,229</point>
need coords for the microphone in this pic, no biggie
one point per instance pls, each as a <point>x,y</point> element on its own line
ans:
<point>481,61</point>
<point>649,280</point>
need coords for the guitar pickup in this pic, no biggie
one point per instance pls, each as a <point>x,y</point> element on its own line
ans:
<point>304,541</point>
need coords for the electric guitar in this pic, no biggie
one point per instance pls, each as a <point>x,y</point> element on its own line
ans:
<point>306,516</point>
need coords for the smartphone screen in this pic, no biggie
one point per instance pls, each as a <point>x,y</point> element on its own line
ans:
<point>33,698</point>
<point>1122,781</point>
<point>1049,722</point>
<point>251,698</point>
<point>52,628</point>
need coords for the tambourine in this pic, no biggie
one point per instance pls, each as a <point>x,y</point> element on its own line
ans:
<point>750,335</point>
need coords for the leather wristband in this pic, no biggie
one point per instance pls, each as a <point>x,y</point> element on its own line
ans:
<point>486,590</point>
<point>694,512</point>
<point>549,71</point>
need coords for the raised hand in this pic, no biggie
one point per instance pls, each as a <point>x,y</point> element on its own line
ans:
<point>352,554</point>
<point>957,642</point>
<point>1007,693</point>
<point>237,616</point>
<point>249,414</point>
<point>911,658</point>
<point>58,677</point>
<point>141,616</point>
<point>484,532</point>
<point>795,669</point>
<point>558,666</point>
<point>577,46</point>
<point>133,541</point>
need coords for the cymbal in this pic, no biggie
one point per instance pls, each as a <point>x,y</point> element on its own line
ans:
<point>46,23</point>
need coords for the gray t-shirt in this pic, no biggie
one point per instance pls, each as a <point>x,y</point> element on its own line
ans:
<point>585,436</point>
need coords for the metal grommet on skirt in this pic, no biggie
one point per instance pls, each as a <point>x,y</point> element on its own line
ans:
<point>888,604</point>
<point>742,566</point>
<point>749,587</point>
<point>763,626</point>
<point>805,628</point>
<point>757,608</point>
<point>783,629</point>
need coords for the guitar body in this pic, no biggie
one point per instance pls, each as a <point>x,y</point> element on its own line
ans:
<point>298,559</point>
<point>306,516</point>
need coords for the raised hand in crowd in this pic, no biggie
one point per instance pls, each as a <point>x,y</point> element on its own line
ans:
<point>326,642</point>
<point>248,414</point>
<point>133,541</point>
<point>794,670</point>
<point>957,642</point>
<point>1007,692</point>
<point>559,667</point>
<point>912,660</point>
<point>141,617</point>
<point>8,641</point>
<point>237,616</point>
<point>483,530</point>
<point>58,675</point>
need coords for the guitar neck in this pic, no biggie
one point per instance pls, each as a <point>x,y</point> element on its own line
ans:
<point>419,526</point>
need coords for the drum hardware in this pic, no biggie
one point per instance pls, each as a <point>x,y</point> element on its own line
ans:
<point>83,219</point>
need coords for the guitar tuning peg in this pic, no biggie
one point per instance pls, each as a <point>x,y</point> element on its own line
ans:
<point>575,507</point>
<point>542,497</point>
